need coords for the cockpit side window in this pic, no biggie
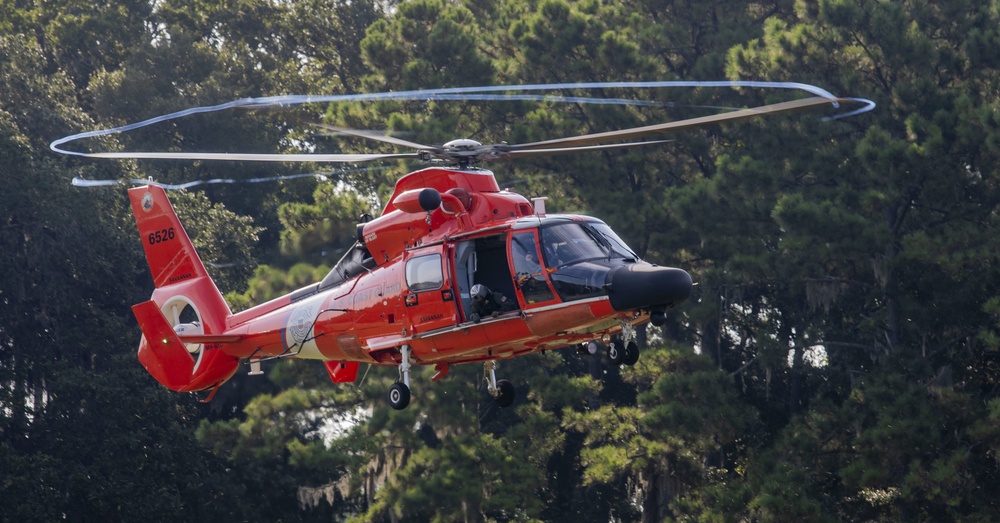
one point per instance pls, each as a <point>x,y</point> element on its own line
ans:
<point>528,273</point>
<point>524,253</point>
<point>579,254</point>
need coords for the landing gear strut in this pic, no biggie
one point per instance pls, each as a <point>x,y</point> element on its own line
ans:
<point>628,352</point>
<point>399,393</point>
<point>501,390</point>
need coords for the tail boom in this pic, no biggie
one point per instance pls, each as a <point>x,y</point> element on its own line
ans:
<point>192,341</point>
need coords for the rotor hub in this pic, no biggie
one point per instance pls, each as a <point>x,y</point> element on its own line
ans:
<point>462,144</point>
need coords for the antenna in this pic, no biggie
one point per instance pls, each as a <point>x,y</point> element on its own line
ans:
<point>539,203</point>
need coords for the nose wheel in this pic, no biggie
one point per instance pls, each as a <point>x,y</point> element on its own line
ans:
<point>628,351</point>
<point>502,390</point>
<point>631,356</point>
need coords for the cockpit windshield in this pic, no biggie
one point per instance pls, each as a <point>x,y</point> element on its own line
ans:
<point>617,244</point>
<point>569,243</point>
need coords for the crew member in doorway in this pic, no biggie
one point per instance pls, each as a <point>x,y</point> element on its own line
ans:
<point>487,303</point>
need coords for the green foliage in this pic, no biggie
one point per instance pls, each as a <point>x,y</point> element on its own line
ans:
<point>84,434</point>
<point>223,239</point>
<point>324,229</point>
<point>868,243</point>
<point>443,37</point>
<point>683,432</point>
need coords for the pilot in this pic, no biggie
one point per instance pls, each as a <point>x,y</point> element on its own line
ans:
<point>526,268</point>
<point>525,261</point>
<point>531,263</point>
<point>552,256</point>
<point>486,303</point>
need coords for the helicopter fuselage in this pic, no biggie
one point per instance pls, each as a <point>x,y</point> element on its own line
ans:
<point>405,292</point>
<point>416,268</point>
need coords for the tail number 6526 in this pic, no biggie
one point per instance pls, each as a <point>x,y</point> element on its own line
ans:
<point>161,235</point>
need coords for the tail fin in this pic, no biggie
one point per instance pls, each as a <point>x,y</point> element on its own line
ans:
<point>186,298</point>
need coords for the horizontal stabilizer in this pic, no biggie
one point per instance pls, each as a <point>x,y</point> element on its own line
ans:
<point>211,338</point>
<point>342,371</point>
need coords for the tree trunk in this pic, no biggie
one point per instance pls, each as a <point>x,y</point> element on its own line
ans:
<point>710,343</point>
<point>659,489</point>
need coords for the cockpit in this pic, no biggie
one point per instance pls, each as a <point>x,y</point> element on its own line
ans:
<point>581,241</point>
<point>578,255</point>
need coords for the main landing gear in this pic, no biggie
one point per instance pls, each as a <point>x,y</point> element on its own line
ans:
<point>399,392</point>
<point>502,391</point>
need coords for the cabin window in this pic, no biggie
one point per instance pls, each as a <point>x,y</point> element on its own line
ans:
<point>423,273</point>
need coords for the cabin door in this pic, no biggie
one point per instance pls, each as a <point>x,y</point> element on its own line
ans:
<point>429,298</point>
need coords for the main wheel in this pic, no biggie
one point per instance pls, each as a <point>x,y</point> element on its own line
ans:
<point>505,393</point>
<point>631,354</point>
<point>615,355</point>
<point>399,396</point>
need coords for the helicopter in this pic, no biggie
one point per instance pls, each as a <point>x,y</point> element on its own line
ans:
<point>455,270</point>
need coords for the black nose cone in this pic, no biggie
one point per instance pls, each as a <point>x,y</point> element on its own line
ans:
<point>642,286</point>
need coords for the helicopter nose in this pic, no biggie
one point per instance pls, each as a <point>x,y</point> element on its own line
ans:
<point>640,286</point>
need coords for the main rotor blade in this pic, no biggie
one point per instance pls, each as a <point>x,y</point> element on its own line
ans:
<point>251,157</point>
<point>373,136</point>
<point>673,127</point>
<point>529,153</point>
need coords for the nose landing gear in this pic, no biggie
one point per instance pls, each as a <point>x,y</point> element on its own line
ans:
<point>628,352</point>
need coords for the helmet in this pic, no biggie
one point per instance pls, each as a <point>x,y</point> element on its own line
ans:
<point>479,292</point>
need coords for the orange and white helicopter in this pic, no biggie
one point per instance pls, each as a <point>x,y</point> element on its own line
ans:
<point>455,270</point>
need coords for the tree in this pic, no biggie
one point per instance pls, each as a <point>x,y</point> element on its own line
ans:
<point>80,427</point>
<point>874,228</point>
<point>846,314</point>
